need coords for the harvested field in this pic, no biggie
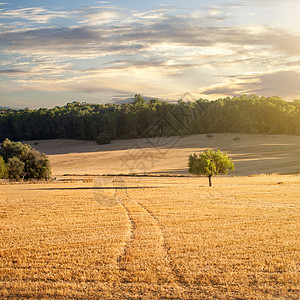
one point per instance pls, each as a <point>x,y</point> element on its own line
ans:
<point>253,154</point>
<point>170,238</point>
<point>146,237</point>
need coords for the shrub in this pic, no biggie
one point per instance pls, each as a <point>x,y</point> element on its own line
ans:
<point>15,168</point>
<point>37,165</point>
<point>103,138</point>
<point>22,161</point>
<point>10,149</point>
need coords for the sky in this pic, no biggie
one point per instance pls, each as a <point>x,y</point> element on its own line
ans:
<point>54,52</point>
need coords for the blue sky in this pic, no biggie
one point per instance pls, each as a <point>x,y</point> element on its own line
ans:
<point>54,52</point>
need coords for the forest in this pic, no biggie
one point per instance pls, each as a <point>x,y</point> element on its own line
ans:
<point>147,118</point>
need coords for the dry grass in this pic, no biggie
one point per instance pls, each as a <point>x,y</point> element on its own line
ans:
<point>170,238</point>
<point>147,237</point>
<point>253,154</point>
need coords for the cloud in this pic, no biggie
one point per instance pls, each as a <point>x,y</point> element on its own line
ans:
<point>110,30</point>
<point>128,79</point>
<point>293,63</point>
<point>78,42</point>
<point>122,51</point>
<point>258,2</point>
<point>102,17</point>
<point>278,83</point>
<point>32,14</point>
<point>284,83</point>
<point>11,72</point>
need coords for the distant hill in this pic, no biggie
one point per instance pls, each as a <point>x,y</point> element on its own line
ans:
<point>119,100</point>
<point>6,107</point>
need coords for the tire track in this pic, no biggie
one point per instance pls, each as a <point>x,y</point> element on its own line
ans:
<point>180,279</point>
<point>143,256</point>
<point>146,251</point>
<point>119,194</point>
<point>214,194</point>
<point>130,235</point>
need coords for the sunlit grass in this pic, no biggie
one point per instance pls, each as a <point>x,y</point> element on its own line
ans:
<point>167,238</point>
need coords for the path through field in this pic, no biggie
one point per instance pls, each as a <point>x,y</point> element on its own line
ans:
<point>161,238</point>
<point>146,251</point>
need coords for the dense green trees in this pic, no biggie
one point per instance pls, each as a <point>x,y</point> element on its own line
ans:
<point>3,168</point>
<point>140,118</point>
<point>19,161</point>
<point>210,163</point>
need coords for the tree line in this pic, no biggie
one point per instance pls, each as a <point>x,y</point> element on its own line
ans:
<point>146,118</point>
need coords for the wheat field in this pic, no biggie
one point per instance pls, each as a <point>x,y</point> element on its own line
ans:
<point>127,237</point>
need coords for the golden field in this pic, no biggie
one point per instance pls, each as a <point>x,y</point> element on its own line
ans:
<point>123,237</point>
<point>253,154</point>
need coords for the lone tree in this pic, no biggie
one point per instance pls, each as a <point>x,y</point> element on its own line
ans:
<point>210,163</point>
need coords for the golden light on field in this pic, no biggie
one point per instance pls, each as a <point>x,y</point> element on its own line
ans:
<point>153,237</point>
<point>165,238</point>
<point>252,154</point>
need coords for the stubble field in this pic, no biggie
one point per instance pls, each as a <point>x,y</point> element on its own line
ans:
<point>122,237</point>
<point>253,154</point>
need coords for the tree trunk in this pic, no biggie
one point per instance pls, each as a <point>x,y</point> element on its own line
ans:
<point>209,178</point>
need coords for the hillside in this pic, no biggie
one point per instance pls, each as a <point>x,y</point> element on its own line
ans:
<point>253,154</point>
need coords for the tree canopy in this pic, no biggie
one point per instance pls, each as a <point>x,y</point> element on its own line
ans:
<point>210,163</point>
<point>22,162</point>
<point>3,168</point>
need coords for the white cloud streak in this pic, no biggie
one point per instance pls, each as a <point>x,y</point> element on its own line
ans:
<point>32,14</point>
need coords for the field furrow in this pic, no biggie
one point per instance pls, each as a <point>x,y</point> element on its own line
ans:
<point>144,258</point>
<point>180,279</point>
